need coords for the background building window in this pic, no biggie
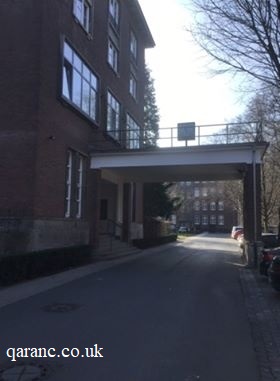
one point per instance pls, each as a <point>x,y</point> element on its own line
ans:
<point>204,205</point>
<point>75,173</point>
<point>133,133</point>
<point>204,220</point>
<point>113,56</point>
<point>113,116</point>
<point>196,192</point>
<point>212,205</point>
<point>79,83</point>
<point>221,220</point>
<point>204,192</point>
<point>221,205</point>
<point>197,206</point>
<point>82,10</point>
<point>197,219</point>
<point>213,219</point>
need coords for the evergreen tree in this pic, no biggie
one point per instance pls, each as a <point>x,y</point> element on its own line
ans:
<point>151,112</point>
<point>157,198</point>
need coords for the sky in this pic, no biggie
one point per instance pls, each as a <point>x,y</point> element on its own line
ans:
<point>185,90</point>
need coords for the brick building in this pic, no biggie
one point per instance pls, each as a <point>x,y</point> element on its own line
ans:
<point>205,207</point>
<point>72,82</point>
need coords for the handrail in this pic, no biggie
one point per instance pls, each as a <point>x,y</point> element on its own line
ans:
<point>223,133</point>
<point>111,230</point>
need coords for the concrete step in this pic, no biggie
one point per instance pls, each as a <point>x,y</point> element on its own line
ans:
<point>116,249</point>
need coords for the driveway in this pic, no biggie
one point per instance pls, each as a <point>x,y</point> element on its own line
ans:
<point>174,313</point>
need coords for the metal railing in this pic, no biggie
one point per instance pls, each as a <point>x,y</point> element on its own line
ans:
<point>168,137</point>
<point>112,230</point>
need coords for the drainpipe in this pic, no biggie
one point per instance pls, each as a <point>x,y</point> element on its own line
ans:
<point>255,207</point>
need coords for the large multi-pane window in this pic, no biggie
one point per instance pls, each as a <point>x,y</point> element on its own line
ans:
<point>114,12</point>
<point>79,83</point>
<point>113,116</point>
<point>83,11</point>
<point>113,56</point>
<point>75,173</point>
<point>133,46</point>
<point>132,133</point>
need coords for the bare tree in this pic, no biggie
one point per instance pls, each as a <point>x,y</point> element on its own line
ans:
<point>242,35</point>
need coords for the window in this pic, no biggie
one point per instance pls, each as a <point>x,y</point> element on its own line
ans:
<point>212,205</point>
<point>133,46</point>
<point>82,10</point>
<point>197,219</point>
<point>196,192</point>
<point>133,133</point>
<point>220,205</point>
<point>113,116</point>
<point>204,220</point>
<point>221,220</point>
<point>114,12</point>
<point>212,219</point>
<point>197,205</point>
<point>75,169</point>
<point>204,205</point>
<point>133,86</point>
<point>204,192</point>
<point>113,56</point>
<point>79,84</point>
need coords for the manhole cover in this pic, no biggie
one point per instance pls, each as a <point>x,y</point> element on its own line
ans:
<point>28,372</point>
<point>61,307</point>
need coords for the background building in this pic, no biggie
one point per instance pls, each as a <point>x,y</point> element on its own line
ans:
<point>205,207</point>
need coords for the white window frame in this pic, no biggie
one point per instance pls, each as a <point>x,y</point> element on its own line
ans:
<point>132,133</point>
<point>83,10</point>
<point>75,172</point>
<point>114,12</point>
<point>68,197</point>
<point>196,192</point>
<point>80,86</point>
<point>133,86</point>
<point>113,116</point>
<point>133,45</point>
<point>113,56</point>
<point>204,192</point>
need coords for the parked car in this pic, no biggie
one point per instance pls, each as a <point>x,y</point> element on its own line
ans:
<point>235,229</point>
<point>182,229</point>
<point>271,248</point>
<point>238,233</point>
<point>274,273</point>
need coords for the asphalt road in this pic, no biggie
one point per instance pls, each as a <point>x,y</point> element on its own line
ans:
<point>176,314</point>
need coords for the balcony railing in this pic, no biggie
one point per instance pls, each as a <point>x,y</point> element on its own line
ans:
<point>168,137</point>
